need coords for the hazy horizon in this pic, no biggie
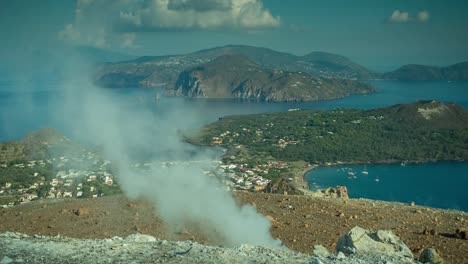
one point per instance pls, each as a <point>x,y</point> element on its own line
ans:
<point>379,36</point>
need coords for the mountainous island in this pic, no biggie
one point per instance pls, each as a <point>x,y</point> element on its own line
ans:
<point>236,76</point>
<point>163,71</point>
<point>418,132</point>
<point>415,72</point>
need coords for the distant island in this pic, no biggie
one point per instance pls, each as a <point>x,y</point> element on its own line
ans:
<point>163,71</point>
<point>236,76</point>
<point>415,72</point>
<point>242,72</point>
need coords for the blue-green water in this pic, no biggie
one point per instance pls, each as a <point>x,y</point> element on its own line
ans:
<point>441,185</point>
<point>27,106</point>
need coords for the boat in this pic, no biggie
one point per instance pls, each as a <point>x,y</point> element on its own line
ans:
<point>377,180</point>
<point>403,164</point>
<point>350,173</point>
<point>365,172</point>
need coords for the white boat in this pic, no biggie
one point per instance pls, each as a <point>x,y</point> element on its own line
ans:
<point>365,172</point>
<point>350,173</point>
<point>403,164</point>
<point>377,180</point>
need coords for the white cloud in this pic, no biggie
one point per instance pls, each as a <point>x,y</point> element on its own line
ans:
<point>201,14</point>
<point>423,16</point>
<point>96,22</point>
<point>399,16</point>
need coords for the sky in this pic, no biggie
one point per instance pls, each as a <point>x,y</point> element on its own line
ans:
<point>380,34</point>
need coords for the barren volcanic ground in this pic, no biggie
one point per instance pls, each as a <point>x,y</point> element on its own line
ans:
<point>299,221</point>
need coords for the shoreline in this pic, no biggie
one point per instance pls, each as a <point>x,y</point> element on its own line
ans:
<point>385,162</point>
<point>302,179</point>
<point>300,183</point>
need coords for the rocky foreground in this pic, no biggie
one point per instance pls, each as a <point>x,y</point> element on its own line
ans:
<point>139,248</point>
<point>299,221</point>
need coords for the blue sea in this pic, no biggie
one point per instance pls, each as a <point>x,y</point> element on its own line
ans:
<point>441,185</point>
<point>27,106</point>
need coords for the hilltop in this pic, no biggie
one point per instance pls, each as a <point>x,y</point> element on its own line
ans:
<point>163,71</point>
<point>236,76</point>
<point>457,71</point>
<point>39,144</point>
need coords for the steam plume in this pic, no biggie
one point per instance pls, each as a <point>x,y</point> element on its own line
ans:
<point>182,193</point>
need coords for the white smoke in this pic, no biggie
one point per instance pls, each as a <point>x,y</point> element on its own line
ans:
<point>182,193</point>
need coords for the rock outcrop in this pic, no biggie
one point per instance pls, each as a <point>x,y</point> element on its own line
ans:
<point>362,241</point>
<point>281,186</point>
<point>430,256</point>
<point>333,192</point>
<point>461,233</point>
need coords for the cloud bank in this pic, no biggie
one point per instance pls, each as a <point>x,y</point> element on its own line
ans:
<point>399,16</point>
<point>99,23</point>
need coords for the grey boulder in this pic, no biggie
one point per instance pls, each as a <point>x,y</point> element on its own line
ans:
<point>361,241</point>
<point>430,255</point>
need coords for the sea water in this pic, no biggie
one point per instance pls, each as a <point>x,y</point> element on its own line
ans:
<point>25,107</point>
<point>441,185</point>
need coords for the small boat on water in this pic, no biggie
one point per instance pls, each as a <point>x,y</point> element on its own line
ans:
<point>365,172</point>
<point>377,180</point>
<point>350,173</point>
<point>403,164</point>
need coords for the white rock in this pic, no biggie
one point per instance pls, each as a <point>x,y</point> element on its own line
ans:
<point>361,241</point>
<point>320,251</point>
<point>340,256</point>
<point>140,238</point>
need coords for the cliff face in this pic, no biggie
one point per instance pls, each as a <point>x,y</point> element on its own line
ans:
<point>457,71</point>
<point>235,76</point>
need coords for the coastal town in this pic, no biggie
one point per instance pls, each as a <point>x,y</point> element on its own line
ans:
<point>62,177</point>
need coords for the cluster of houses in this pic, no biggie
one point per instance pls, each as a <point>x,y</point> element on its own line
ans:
<point>24,194</point>
<point>66,182</point>
<point>69,183</point>
<point>243,177</point>
<point>282,143</point>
